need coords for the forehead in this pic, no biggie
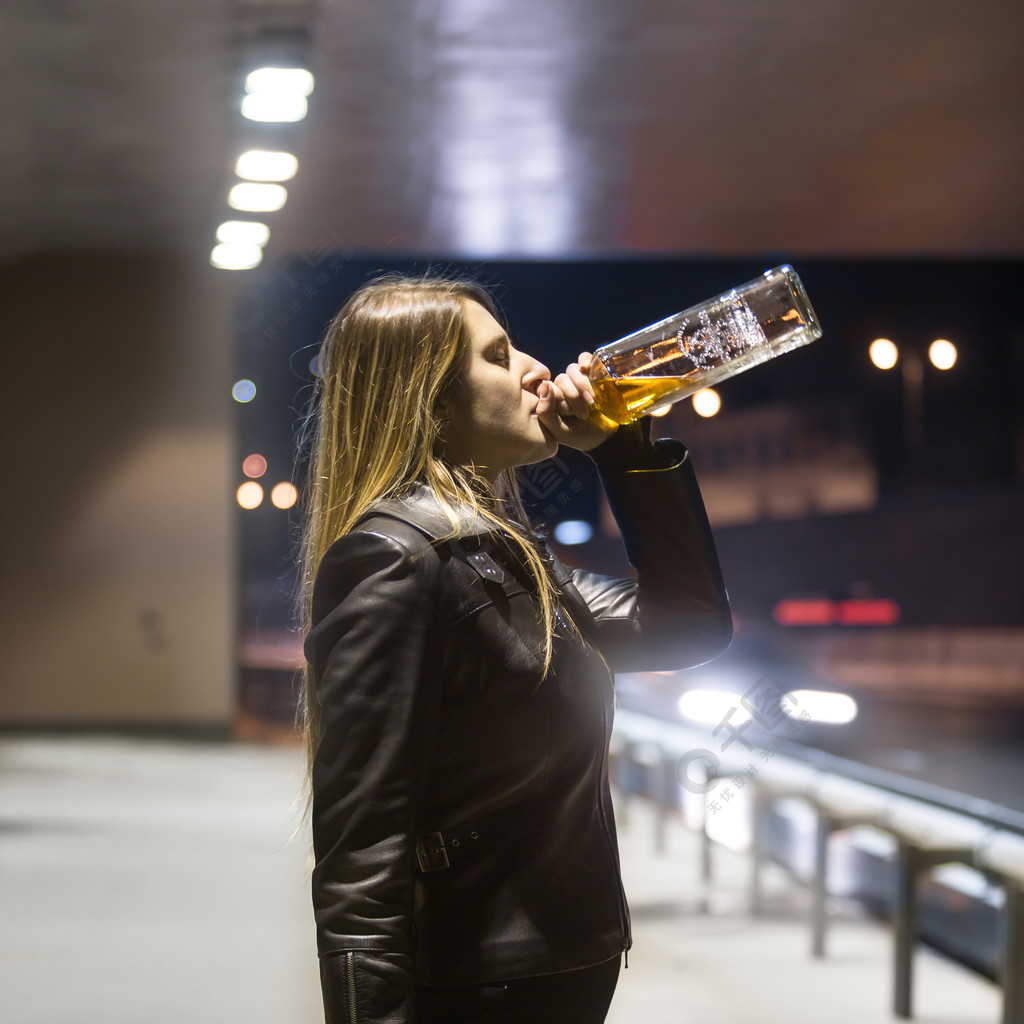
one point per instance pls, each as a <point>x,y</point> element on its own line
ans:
<point>481,326</point>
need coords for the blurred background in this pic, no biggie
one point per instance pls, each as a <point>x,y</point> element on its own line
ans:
<point>175,234</point>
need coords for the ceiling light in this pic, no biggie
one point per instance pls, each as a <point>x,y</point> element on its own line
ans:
<point>236,256</point>
<point>244,232</point>
<point>289,81</point>
<point>257,198</point>
<point>284,107</point>
<point>262,165</point>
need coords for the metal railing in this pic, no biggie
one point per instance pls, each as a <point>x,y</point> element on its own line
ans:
<point>930,826</point>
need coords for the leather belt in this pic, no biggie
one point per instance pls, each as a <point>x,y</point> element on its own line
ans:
<point>436,851</point>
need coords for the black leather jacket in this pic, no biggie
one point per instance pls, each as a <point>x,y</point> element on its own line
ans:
<point>462,823</point>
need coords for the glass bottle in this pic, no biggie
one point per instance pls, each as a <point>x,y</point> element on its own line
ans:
<point>675,357</point>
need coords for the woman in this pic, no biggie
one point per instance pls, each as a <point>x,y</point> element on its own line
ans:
<point>459,695</point>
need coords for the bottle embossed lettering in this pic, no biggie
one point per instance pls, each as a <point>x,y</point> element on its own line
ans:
<point>675,357</point>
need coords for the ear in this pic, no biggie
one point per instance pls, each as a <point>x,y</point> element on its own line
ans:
<point>445,401</point>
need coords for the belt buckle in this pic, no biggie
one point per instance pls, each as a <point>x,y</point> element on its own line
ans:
<point>431,853</point>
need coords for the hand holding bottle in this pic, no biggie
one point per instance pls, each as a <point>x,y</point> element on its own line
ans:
<point>566,408</point>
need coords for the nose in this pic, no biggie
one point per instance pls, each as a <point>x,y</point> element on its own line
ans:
<point>534,373</point>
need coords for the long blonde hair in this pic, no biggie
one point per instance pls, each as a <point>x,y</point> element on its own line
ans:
<point>387,358</point>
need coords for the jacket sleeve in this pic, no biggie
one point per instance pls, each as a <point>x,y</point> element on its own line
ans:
<point>676,613</point>
<point>374,620</point>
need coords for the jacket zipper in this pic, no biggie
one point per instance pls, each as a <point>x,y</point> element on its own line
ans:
<point>350,970</point>
<point>623,914</point>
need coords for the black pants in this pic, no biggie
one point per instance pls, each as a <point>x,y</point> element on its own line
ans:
<point>570,997</point>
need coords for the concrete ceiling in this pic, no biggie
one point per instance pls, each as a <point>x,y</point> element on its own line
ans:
<point>541,128</point>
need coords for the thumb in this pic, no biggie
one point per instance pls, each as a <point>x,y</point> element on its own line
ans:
<point>547,398</point>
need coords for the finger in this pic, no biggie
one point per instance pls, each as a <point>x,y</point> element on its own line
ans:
<point>551,407</point>
<point>547,398</point>
<point>582,382</point>
<point>562,399</point>
<point>555,399</point>
<point>574,390</point>
<point>584,360</point>
<point>570,396</point>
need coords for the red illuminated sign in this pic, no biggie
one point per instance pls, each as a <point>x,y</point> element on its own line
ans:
<point>822,612</point>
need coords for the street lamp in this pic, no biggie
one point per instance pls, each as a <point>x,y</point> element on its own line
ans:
<point>707,402</point>
<point>885,355</point>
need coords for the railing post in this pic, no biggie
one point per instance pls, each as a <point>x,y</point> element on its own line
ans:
<point>705,838</point>
<point>757,845</point>
<point>911,860</point>
<point>904,926</point>
<point>664,776</point>
<point>1012,950</point>
<point>820,882</point>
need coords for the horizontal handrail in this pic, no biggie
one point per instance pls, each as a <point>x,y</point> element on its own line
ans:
<point>683,738</point>
<point>919,812</point>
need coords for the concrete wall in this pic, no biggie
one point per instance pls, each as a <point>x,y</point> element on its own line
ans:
<point>116,591</point>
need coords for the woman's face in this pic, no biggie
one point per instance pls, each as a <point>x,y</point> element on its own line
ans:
<point>491,409</point>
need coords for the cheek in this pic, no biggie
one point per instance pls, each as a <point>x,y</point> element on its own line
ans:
<point>502,403</point>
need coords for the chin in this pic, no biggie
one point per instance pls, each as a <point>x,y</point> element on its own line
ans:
<point>539,450</point>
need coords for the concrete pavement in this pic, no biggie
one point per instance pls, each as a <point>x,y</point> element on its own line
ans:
<point>158,881</point>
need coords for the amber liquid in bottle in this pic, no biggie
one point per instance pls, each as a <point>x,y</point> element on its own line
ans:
<point>626,400</point>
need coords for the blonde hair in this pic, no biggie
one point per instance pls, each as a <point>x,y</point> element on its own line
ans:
<point>387,358</point>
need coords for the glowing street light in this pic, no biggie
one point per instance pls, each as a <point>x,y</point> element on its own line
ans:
<point>885,355</point>
<point>942,353</point>
<point>706,402</point>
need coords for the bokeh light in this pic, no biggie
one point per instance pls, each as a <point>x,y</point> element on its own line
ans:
<point>259,198</point>
<point>243,391</point>
<point>262,106</point>
<point>707,402</point>
<point>236,256</point>
<point>824,706</point>
<point>266,165</point>
<point>284,495</point>
<point>280,81</point>
<point>573,531</point>
<point>711,706</point>
<point>243,232</point>
<point>883,353</point>
<point>942,353</point>
<point>249,495</point>
<point>254,465</point>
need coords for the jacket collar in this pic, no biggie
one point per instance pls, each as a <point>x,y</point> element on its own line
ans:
<point>421,508</point>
